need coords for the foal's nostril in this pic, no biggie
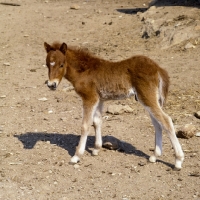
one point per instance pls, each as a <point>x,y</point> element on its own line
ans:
<point>54,85</point>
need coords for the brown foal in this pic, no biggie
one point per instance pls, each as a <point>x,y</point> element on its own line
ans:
<point>97,80</point>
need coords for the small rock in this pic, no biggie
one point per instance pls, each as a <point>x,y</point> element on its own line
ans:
<point>32,70</point>
<point>98,11</point>
<point>142,163</point>
<point>111,143</point>
<point>76,166</point>
<point>8,155</point>
<point>189,46</point>
<point>186,131</point>
<point>197,134</point>
<point>119,109</point>
<point>75,7</point>
<point>6,64</point>
<point>43,99</point>
<point>23,188</point>
<point>197,114</point>
<point>3,96</point>
<point>195,174</point>
<point>106,117</point>
<point>151,149</point>
<point>64,119</point>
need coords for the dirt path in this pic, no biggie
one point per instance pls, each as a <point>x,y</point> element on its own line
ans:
<point>38,136</point>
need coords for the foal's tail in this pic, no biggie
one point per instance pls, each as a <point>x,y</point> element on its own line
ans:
<point>163,86</point>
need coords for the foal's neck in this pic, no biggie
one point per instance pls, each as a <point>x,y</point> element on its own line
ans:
<point>81,60</point>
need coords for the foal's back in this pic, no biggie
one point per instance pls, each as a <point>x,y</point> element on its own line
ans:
<point>118,80</point>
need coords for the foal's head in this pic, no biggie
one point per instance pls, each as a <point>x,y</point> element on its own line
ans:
<point>56,63</point>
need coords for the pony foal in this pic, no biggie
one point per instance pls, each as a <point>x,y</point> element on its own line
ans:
<point>97,80</point>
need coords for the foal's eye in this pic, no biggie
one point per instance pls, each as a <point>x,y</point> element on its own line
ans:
<point>61,65</point>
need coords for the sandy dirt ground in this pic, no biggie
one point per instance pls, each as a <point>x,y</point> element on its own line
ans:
<point>39,128</point>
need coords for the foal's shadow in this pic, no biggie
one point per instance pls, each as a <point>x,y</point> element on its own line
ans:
<point>70,141</point>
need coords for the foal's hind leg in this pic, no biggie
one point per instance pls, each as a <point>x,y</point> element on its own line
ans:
<point>97,121</point>
<point>161,120</point>
<point>166,123</point>
<point>158,139</point>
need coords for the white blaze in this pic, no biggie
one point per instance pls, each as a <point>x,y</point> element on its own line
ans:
<point>52,63</point>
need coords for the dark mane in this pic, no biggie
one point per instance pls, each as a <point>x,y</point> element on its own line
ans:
<point>86,59</point>
<point>56,45</point>
<point>78,50</point>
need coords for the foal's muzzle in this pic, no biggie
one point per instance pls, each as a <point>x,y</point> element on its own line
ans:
<point>52,85</point>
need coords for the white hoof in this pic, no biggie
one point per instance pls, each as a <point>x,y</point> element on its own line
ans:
<point>74,160</point>
<point>178,164</point>
<point>152,159</point>
<point>95,152</point>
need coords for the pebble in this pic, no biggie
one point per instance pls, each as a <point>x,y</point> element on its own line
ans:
<point>197,114</point>
<point>32,70</point>
<point>61,162</point>
<point>111,143</point>
<point>186,131</point>
<point>64,119</point>
<point>3,96</point>
<point>195,174</point>
<point>142,163</point>
<point>6,64</point>
<point>189,46</point>
<point>75,7</point>
<point>151,149</point>
<point>119,109</point>
<point>76,166</point>
<point>43,99</point>
<point>197,134</point>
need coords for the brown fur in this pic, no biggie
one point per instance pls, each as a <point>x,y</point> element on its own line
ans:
<point>141,71</point>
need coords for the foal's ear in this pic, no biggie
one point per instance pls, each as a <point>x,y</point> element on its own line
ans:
<point>47,47</point>
<point>63,48</point>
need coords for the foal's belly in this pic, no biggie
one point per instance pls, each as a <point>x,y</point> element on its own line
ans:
<point>116,95</point>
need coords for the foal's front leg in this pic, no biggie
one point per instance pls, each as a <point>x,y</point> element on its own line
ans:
<point>89,108</point>
<point>97,122</point>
